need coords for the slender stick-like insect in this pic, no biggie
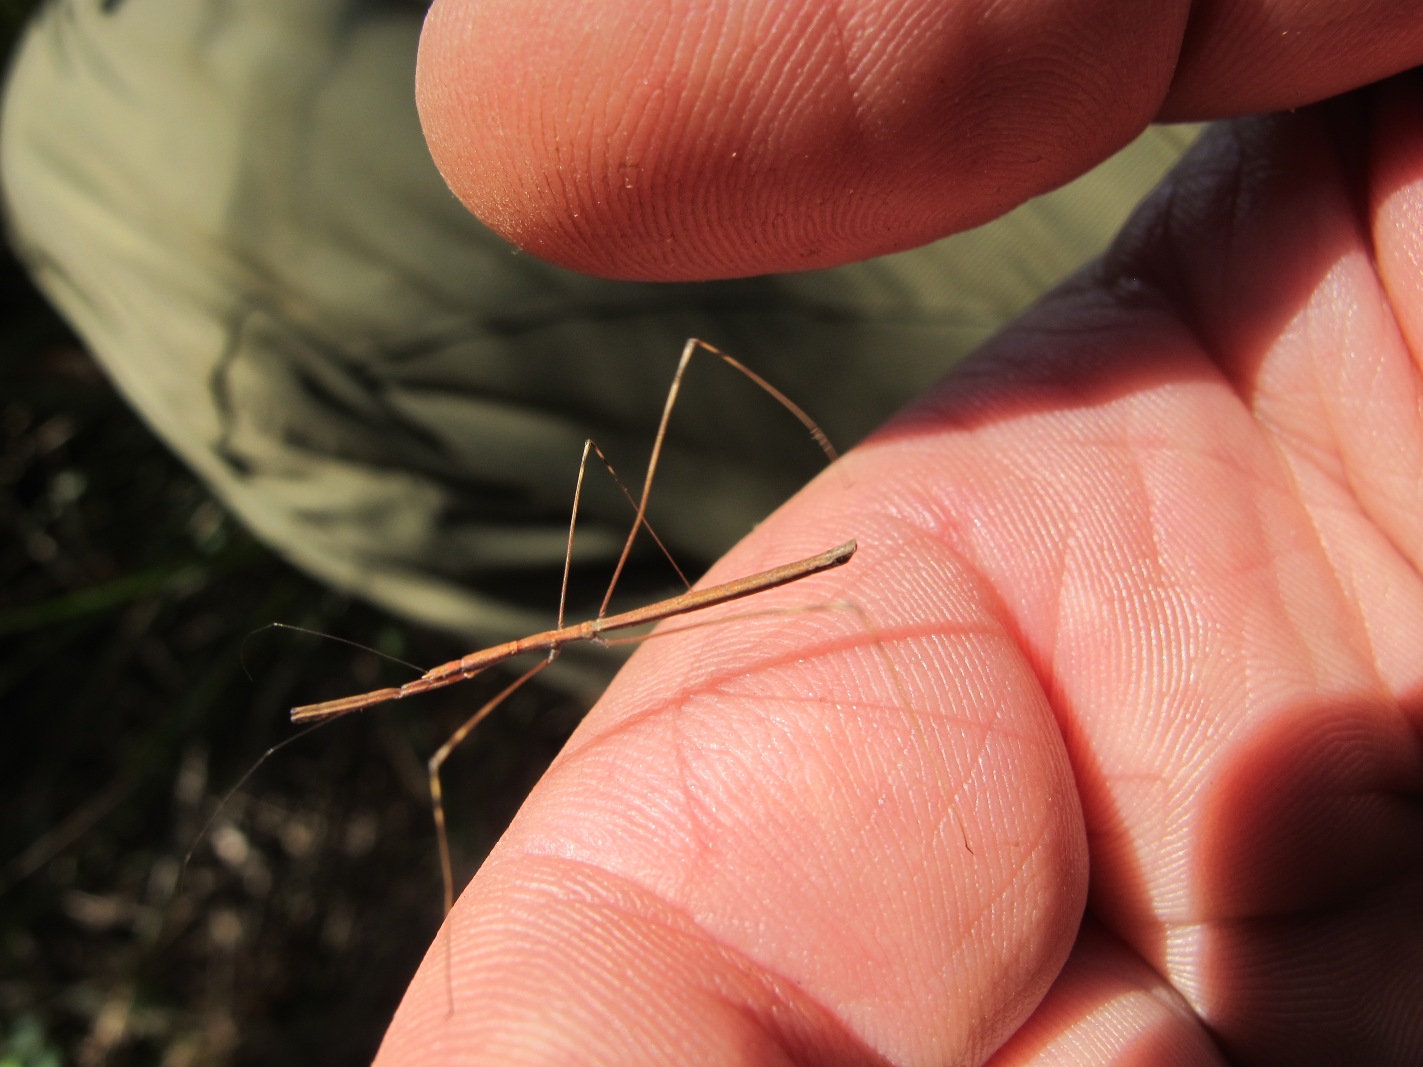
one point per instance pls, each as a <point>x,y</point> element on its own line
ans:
<point>551,642</point>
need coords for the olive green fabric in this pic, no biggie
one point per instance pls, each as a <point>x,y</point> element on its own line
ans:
<point>233,204</point>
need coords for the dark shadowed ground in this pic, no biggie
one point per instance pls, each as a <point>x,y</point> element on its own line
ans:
<point>137,686</point>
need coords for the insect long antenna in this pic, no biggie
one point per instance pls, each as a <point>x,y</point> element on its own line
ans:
<point>222,804</point>
<point>333,637</point>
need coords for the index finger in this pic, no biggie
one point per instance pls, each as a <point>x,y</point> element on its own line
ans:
<point>720,138</point>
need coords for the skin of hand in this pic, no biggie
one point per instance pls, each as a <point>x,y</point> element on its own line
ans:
<point>1107,747</point>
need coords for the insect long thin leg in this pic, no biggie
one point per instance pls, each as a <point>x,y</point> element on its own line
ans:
<point>646,525</point>
<point>591,447</point>
<point>588,446</point>
<point>437,794</point>
<point>689,350</point>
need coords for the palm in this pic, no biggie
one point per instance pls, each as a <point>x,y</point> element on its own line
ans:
<point>1220,593</point>
<point>1135,636</point>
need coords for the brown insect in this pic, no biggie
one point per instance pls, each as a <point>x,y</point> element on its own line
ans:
<point>551,642</point>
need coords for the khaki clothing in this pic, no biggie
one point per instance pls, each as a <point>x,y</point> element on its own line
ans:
<point>233,204</point>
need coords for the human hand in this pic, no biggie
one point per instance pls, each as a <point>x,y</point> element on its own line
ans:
<point>1145,619</point>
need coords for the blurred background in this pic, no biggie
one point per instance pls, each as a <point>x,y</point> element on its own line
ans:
<point>137,686</point>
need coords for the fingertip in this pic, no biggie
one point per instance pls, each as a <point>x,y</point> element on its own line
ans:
<point>688,141</point>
